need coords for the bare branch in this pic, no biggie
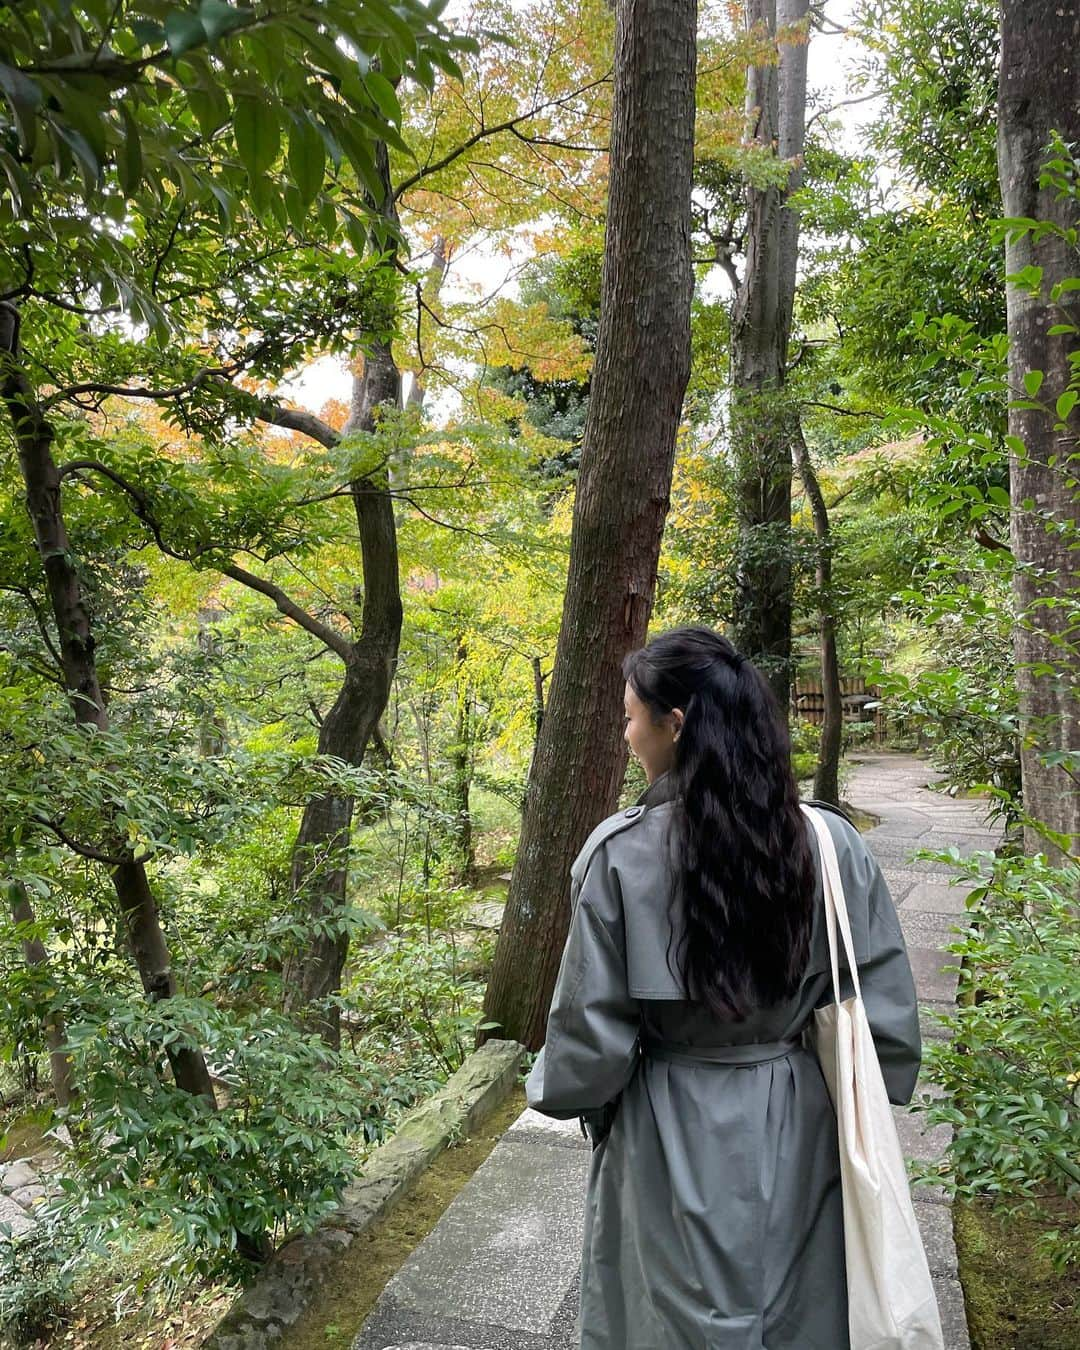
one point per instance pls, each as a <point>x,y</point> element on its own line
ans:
<point>844,412</point>
<point>844,103</point>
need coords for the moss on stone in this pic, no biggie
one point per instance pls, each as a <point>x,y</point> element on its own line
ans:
<point>359,1276</point>
<point>1015,1298</point>
<point>21,1136</point>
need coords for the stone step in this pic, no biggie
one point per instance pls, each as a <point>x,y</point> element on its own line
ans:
<point>936,897</point>
<point>505,1252</point>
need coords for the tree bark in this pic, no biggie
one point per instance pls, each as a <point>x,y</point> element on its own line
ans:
<point>461,769</point>
<point>763,421</point>
<point>1039,93</point>
<point>642,366</point>
<point>319,869</point>
<point>34,437</point>
<point>320,860</point>
<point>827,774</point>
<point>34,954</point>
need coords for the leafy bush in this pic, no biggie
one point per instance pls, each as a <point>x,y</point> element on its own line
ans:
<point>966,700</point>
<point>422,992</point>
<point>273,1157</point>
<point>1011,1072</point>
<point>805,743</point>
<point>37,1272</point>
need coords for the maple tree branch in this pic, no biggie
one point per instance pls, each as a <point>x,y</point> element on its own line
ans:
<point>336,641</point>
<point>445,524</point>
<point>486,132</point>
<point>330,637</point>
<point>72,391</point>
<point>561,145</point>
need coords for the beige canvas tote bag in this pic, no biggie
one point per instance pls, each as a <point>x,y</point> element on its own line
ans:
<point>891,1303</point>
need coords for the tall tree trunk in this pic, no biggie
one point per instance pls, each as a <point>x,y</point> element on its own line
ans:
<point>34,437</point>
<point>320,860</point>
<point>1039,93</point>
<point>763,420</point>
<point>35,955</point>
<point>642,365</point>
<point>827,774</point>
<point>461,769</point>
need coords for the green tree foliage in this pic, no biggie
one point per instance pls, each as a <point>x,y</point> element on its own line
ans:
<point>242,110</point>
<point>1009,1068</point>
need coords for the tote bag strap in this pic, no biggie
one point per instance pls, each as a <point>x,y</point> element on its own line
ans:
<point>836,912</point>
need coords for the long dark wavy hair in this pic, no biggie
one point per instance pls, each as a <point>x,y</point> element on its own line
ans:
<point>744,868</point>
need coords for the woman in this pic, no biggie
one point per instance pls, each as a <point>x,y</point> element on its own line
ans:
<point>696,955</point>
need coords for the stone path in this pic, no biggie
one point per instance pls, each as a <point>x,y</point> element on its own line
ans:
<point>499,1271</point>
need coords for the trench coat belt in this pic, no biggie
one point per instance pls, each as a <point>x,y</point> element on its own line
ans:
<point>753,1052</point>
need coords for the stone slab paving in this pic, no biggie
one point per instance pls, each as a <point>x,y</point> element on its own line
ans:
<point>500,1269</point>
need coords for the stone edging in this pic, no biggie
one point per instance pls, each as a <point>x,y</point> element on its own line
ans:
<point>287,1285</point>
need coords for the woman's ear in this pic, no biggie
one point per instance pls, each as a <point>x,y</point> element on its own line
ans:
<point>677,723</point>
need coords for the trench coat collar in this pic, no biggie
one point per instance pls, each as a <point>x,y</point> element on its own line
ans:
<point>661,789</point>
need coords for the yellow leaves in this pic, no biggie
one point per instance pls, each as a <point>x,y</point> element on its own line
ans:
<point>177,587</point>
<point>549,80</point>
<point>529,336</point>
<point>335,413</point>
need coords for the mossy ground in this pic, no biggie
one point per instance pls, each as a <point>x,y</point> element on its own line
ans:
<point>1015,1299</point>
<point>359,1277</point>
<point>20,1137</point>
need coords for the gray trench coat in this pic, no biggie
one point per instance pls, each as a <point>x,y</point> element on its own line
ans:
<point>713,1217</point>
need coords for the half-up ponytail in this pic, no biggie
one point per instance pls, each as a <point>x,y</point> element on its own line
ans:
<point>745,870</point>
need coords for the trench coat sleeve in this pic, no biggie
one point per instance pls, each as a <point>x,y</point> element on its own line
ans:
<point>591,1049</point>
<point>888,987</point>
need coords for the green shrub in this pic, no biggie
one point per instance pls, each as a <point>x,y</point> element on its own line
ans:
<point>1010,1075</point>
<point>37,1272</point>
<point>273,1157</point>
<point>805,743</point>
<point>422,992</point>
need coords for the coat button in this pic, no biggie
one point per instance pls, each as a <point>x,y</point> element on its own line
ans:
<point>633,811</point>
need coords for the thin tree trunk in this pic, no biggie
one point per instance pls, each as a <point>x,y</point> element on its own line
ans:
<point>212,726</point>
<point>461,769</point>
<point>1039,93</point>
<point>428,294</point>
<point>642,365</point>
<point>35,955</point>
<point>538,699</point>
<point>762,419</point>
<point>34,437</point>
<point>319,869</point>
<point>827,774</point>
<point>320,861</point>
